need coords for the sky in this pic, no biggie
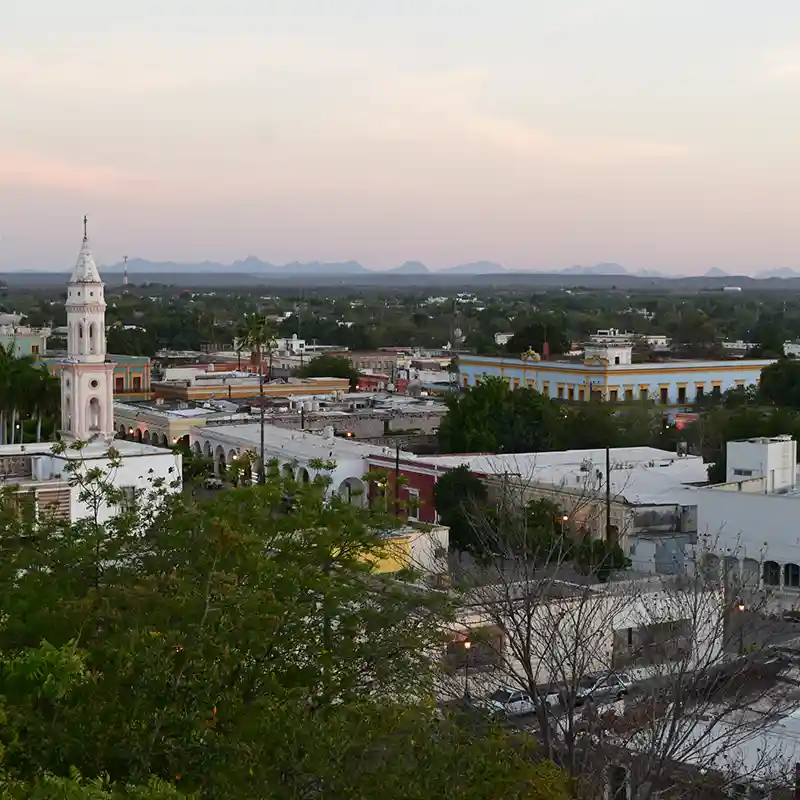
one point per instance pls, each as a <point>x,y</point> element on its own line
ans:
<point>658,134</point>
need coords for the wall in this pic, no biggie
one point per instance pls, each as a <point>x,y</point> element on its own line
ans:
<point>414,477</point>
<point>679,379</point>
<point>754,526</point>
<point>131,379</point>
<point>593,619</point>
<point>772,459</point>
<point>47,473</point>
<point>26,344</point>
<point>248,389</point>
<point>368,425</point>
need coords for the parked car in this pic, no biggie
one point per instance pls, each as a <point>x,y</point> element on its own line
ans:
<point>213,483</point>
<point>608,687</point>
<point>510,702</point>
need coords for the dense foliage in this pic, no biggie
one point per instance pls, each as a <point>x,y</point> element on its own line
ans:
<point>232,646</point>
<point>492,418</point>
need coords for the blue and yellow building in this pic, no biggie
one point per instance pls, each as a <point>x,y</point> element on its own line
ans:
<point>131,375</point>
<point>608,374</point>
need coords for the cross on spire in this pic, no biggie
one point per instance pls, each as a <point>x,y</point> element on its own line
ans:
<point>85,228</point>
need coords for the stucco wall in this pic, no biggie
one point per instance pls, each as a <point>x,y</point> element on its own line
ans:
<point>628,381</point>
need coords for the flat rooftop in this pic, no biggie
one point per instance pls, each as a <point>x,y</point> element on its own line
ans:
<point>293,443</point>
<point>124,447</point>
<point>639,475</point>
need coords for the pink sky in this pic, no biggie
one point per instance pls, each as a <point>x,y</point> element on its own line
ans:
<point>537,134</point>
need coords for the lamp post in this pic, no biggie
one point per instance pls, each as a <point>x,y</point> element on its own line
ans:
<point>467,648</point>
<point>740,605</point>
<point>564,521</point>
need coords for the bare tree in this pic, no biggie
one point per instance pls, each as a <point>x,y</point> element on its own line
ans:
<point>706,689</point>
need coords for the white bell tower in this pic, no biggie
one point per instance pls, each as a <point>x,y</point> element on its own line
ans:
<point>87,390</point>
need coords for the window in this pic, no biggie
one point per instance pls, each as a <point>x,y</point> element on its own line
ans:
<point>137,383</point>
<point>629,395</point>
<point>643,393</point>
<point>119,384</point>
<point>716,392</point>
<point>413,504</point>
<point>616,360</point>
<point>128,498</point>
<point>34,349</point>
<point>546,389</point>
<point>681,394</point>
<point>791,576</point>
<point>613,395</point>
<point>663,394</point>
<point>570,393</point>
<point>772,573</point>
<point>700,392</point>
<point>743,473</point>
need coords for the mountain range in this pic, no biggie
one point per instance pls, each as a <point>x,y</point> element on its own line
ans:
<point>255,266</point>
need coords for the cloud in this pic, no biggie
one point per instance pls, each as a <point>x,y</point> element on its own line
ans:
<point>159,64</point>
<point>453,109</point>
<point>782,66</point>
<point>30,169</point>
<point>592,12</point>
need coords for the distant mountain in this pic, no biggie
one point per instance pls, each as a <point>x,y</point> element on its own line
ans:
<point>597,269</point>
<point>141,265</point>
<point>410,268</point>
<point>321,268</point>
<point>250,265</point>
<point>475,268</point>
<point>715,272</point>
<point>781,272</point>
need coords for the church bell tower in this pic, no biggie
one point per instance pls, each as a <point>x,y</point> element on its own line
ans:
<point>87,390</point>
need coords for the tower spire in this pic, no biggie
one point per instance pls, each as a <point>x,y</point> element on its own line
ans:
<point>85,228</point>
<point>125,274</point>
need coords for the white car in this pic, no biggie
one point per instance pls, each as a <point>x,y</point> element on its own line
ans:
<point>511,702</point>
<point>612,686</point>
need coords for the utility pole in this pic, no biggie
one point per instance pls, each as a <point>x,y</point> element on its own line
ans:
<point>397,479</point>
<point>608,495</point>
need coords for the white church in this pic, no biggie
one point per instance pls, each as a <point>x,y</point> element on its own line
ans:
<point>41,473</point>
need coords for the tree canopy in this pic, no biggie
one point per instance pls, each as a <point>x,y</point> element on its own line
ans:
<point>231,646</point>
<point>328,366</point>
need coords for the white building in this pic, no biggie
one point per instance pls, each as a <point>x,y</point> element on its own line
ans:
<point>301,454</point>
<point>47,477</point>
<point>620,625</point>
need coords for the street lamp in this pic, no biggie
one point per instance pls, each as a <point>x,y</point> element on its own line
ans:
<point>467,647</point>
<point>564,521</point>
<point>740,606</point>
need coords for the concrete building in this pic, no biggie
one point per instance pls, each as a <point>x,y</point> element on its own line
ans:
<point>168,422</point>
<point>607,373</point>
<point>304,455</point>
<point>131,374</point>
<point>620,626</point>
<point>44,474</point>
<point>24,339</point>
<point>198,385</point>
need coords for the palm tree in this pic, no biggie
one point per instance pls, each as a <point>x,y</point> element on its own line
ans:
<point>47,401</point>
<point>256,333</point>
<point>6,387</point>
<point>22,382</point>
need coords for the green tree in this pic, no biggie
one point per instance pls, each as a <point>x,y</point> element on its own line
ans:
<point>780,383</point>
<point>257,335</point>
<point>538,330</point>
<point>237,646</point>
<point>327,366</point>
<point>491,418</point>
<point>458,496</point>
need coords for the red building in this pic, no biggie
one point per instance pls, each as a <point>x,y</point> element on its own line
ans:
<point>415,497</point>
